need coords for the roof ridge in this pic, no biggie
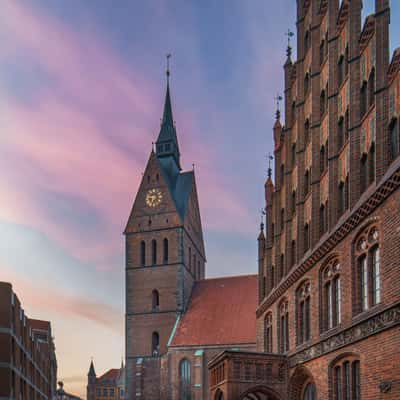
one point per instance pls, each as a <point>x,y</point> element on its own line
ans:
<point>227,277</point>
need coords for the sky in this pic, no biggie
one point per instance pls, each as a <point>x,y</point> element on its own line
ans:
<point>82,86</point>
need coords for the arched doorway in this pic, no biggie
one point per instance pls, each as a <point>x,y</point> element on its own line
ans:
<point>219,395</point>
<point>259,393</point>
<point>302,386</point>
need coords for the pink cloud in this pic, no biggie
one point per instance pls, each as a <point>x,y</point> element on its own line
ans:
<point>89,136</point>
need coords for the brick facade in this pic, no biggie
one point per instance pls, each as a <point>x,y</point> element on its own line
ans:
<point>28,365</point>
<point>332,244</point>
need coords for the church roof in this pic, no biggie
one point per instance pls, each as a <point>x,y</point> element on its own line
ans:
<point>110,376</point>
<point>221,312</point>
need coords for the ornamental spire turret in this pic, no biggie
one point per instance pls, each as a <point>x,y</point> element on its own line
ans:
<point>167,142</point>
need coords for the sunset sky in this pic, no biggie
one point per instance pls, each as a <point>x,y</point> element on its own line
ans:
<point>82,86</point>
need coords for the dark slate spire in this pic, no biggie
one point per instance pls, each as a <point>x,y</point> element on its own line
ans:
<point>167,142</point>
<point>92,372</point>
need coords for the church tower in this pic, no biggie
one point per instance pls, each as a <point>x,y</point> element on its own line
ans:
<point>164,257</point>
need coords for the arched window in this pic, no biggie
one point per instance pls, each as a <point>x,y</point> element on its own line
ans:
<point>346,124</point>
<point>363,99</point>
<point>310,392</point>
<point>306,183</point>
<point>293,252</point>
<point>293,112</point>
<point>331,295</point>
<point>142,253</point>
<point>303,295</point>
<point>185,380</point>
<point>306,237</point>
<point>341,198</point>
<point>363,172</point>
<point>307,131</point>
<point>282,219</point>
<point>371,164</point>
<point>340,70</point>
<point>272,277</point>
<point>154,252</point>
<point>293,206</point>
<point>341,133</point>
<point>268,333</point>
<point>345,378</point>
<point>322,104</point>
<point>283,327</point>
<point>155,344</point>
<point>322,222</point>
<point>322,159</point>
<point>394,138</point>
<point>368,269</point>
<point>371,88</point>
<point>346,193</point>
<point>165,251</point>
<point>293,155</point>
<point>155,300</point>
<point>306,84</point>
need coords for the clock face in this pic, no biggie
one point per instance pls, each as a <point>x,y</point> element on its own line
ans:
<point>153,197</point>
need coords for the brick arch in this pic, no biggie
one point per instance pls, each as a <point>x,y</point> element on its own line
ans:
<point>298,381</point>
<point>260,392</point>
<point>219,395</point>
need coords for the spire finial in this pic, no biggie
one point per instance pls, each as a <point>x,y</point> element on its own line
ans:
<point>278,100</point>
<point>263,213</point>
<point>168,73</point>
<point>289,35</point>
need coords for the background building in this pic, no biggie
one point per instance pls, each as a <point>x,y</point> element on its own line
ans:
<point>28,365</point>
<point>109,386</point>
<point>329,278</point>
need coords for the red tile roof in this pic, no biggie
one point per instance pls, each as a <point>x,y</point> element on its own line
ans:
<point>221,311</point>
<point>110,375</point>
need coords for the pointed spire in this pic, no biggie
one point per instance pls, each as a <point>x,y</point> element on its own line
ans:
<point>167,142</point>
<point>92,372</point>
<point>289,35</point>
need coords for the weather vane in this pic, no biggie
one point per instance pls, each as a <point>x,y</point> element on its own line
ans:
<point>168,56</point>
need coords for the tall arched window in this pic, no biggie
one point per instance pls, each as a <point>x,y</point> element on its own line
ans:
<point>331,295</point>
<point>368,271</point>
<point>371,164</point>
<point>322,222</point>
<point>155,344</point>
<point>142,253</point>
<point>154,252</point>
<point>363,172</point>
<point>282,219</point>
<point>293,207</point>
<point>346,124</point>
<point>165,251</point>
<point>282,266</point>
<point>293,156</point>
<point>293,252</point>
<point>185,380</point>
<point>340,70</point>
<point>283,327</point>
<point>307,131</point>
<point>310,392</point>
<point>306,183</point>
<point>322,104</point>
<point>268,333</point>
<point>306,237</point>
<point>363,99</point>
<point>341,132</point>
<point>272,277</point>
<point>155,300</point>
<point>303,295</point>
<point>345,378</point>
<point>371,88</point>
<point>322,165</point>
<point>293,112</point>
<point>394,138</point>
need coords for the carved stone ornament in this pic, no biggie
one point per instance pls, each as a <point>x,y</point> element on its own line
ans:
<point>385,386</point>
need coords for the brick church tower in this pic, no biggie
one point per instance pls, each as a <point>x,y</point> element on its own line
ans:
<point>164,257</point>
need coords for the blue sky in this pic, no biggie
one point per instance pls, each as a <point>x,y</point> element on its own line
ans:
<point>81,91</point>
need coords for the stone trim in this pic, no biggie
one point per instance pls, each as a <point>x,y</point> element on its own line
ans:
<point>382,192</point>
<point>379,322</point>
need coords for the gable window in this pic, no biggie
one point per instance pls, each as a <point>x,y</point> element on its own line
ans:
<point>155,344</point>
<point>155,300</point>
<point>165,251</point>
<point>185,380</point>
<point>142,253</point>
<point>283,327</point>
<point>268,333</point>
<point>154,252</point>
<point>303,313</point>
<point>368,273</point>
<point>331,295</point>
<point>394,138</point>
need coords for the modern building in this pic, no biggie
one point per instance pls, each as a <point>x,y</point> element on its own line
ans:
<point>176,320</point>
<point>109,386</point>
<point>328,318</point>
<point>28,365</point>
